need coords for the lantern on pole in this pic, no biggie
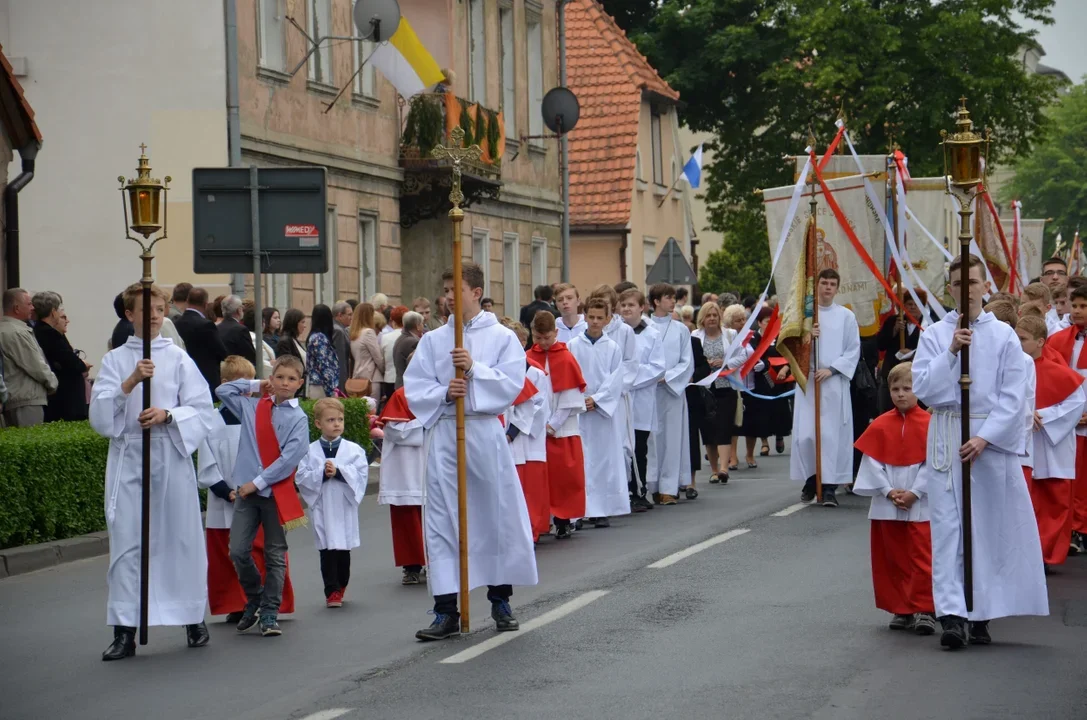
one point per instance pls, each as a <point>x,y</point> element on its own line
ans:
<point>143,199</point>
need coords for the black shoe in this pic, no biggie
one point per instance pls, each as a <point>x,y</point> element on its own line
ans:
<point>411,577</point>
<point>691,493</point>
<point>979,633</point>
<point>636,505</point>
<point>124,644</point>
<point>562,530</point>
<point>601,522</point>
<point>954,632</point>
<point>807,496</point>
<point>197,635</point>
<point>504,621</point>
<point>779,446</point>
<point>645,502</point>
<point>249,619</point>
<point>829,500</point>
<point>901,622</point>
<point>269,627</point>
<point>444,626</point>
<point>656,498</point>
<point>234,618</point>
<point>924,623</point>
<point>578,524</point>
<point>1076,546</point>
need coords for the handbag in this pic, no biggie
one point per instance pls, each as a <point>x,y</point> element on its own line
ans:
<point>709,403</point>
<point>864,382</point>
<point>357,387</point>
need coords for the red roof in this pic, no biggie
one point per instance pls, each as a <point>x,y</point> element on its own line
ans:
<point>16,114</point>
<point>609,77</point>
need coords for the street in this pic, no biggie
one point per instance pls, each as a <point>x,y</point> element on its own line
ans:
<point>736,605</point>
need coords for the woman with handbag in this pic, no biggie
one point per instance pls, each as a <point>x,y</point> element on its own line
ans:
<point>367,354</point>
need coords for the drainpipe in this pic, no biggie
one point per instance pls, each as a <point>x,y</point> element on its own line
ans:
<point>233,120</point>
<point>564,148</point>
<point>11,213</point>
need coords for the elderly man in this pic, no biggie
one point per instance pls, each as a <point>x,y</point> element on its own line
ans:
<point>341,340</point>
<point>235,336</point>
<point>27,376</point>
<point>406,343</point>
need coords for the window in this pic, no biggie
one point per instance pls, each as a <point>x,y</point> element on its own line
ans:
<point>270,35</point>
<point>539,262</point>
<point>638,165</point>
<point>509,77</point>
<point>477,59</point>
<point>278,287</point>
<point>481,255</point>
<point>364,80</point>
<point>367,256</point>
<point>655,138</point>
<point>324,285</point>
<point>511,272</point>
<point>649,254</point>
<point>535,79</point>
<point>319,24</point>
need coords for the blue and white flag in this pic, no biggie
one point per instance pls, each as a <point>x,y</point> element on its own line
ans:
<point>693,169</point>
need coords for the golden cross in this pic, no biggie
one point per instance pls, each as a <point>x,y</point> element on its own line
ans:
<point>962,100</point>
<point>143,149</point>
<point>457,155</point>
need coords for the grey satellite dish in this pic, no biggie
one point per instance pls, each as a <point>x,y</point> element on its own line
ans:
<point>377,20</point>
<point>560,110</point>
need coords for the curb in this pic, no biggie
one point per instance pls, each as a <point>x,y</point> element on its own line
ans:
<point>30,558</point>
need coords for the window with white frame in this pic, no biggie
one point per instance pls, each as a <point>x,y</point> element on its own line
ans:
<point>658,152</point>
<point>319,24</point>
<point>649,254</point>
<point>509,76</point>
<point>638,165</point>
<point>368,284</point>
<point>477,57</point>
<point>271,38</point>
<point>539,262</point>
<point>481,255</point>
<point>365,84</point>
<point>535,79</point>
<point>324,284</point>
<point>511,272</point>
<point>278,287</point>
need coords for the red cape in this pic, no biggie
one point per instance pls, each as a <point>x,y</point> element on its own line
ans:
<point>896,439</point>
<point>527,391</point>
<point>396,409</point>
<point>1063,342</point>
<point>561,366</point>
<point>1054,381</point>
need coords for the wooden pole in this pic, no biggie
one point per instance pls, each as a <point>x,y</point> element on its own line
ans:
<point>814,238</point>
<point>964,383</point>
<point>145,484</point>
<point>891,176</point>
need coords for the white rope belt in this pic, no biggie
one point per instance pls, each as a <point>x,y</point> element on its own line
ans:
<point>945,439</point>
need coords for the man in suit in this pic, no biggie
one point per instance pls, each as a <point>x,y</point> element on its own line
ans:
<point>544,295</point>
<point>201,338</point>
<point>179,300</point>
<point>406,343</point>
<point>235,336</point>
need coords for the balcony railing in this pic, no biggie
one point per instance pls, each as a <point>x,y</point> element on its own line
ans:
<point>431,118</point>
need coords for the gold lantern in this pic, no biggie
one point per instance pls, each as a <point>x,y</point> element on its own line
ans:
<point>146,197</point>
<point>963,151</point>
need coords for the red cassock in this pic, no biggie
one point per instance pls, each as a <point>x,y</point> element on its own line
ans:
<point>1061,344</point>
<point>533,475</point>
<point>406,520</point>
<point>565,459</point>
<point>225,594</point>
<point>901,549</point>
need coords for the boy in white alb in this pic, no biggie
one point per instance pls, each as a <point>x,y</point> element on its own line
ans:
<point>332,479</point>
<point>569,324</point>
<point>650,370</point>
<point>401,484</point>
<point>526,430</point>
<point>669,450</point>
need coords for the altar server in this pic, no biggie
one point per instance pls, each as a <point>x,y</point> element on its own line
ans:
<point>650,369</point>
<point>669,451</point>
<point>401,484</point>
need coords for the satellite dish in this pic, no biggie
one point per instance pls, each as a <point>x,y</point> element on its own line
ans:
<point>377,20</point>
<point>560,110</point>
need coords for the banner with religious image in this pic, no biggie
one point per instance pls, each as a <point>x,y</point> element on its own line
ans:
<point>1031,233</point>
<point>932,209</point>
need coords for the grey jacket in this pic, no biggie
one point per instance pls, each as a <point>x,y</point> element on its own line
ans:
<point>26,374</point>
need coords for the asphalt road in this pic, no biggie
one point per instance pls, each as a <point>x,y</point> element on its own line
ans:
<point>770,617</point>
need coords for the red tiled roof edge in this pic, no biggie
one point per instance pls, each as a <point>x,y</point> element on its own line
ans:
<point>7,74</point>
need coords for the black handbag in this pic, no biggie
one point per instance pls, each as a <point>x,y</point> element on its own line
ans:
<point>709,404</point>
<point>864,381</point>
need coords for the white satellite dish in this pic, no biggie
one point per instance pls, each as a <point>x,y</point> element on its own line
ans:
<point>377,20</point>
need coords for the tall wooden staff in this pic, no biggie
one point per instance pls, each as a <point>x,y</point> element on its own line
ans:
<point>892,174</point>
<point>962,156</point>
<point>144,200</point>
<point>458,154</point>
<point>812,248</point>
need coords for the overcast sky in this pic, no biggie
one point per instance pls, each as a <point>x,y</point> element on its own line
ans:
<point>1063,40</point>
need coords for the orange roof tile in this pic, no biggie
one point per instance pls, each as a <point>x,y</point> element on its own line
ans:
<point>609,76</point>
<point>15,112</point>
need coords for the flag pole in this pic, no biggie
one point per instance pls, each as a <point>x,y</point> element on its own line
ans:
<point>669,193</point>
<point>893,177</point>
<point>813,237</point>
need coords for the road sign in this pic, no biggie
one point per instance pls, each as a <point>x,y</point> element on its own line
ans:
<point>291,211</point>
<point>671,267</point>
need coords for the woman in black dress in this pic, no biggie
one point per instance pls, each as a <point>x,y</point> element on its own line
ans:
<point>696,411</point>
<point>717,432</point>
<point>69,402</point>
<point>766,418</point>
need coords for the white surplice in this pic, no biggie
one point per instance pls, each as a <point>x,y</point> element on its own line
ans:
<point>650,369</point>
<point>530,418</point>
<point>1054,446</point>
<point>403,464</point>
<point>839,346</point>
<point>876,479</point>
<point>1026,451</point>
<point>602,431</point>
<point>334,503</point>
<point>214,463</point>
<point>178,590</point>
<point>1055,323</point>
<point>566,332</point>
<point>1008,572</point>
<point>623,336</point>
<point>669,456</point>
<point>500,549</point>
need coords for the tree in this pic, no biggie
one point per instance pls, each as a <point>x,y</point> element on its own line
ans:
<point>1052,180</point>
<point>742,264</point>
<point>759,73</point>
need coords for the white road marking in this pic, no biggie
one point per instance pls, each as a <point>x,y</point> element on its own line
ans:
<point>502,638</point>
<point>677,556</point>
<point>330,714</point>
<point>790,510</point>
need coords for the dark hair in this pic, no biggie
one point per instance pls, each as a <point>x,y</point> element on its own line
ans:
<point>469,272</point>
<point>354,303</point>
<point>659,291</point>
<point>543,322</point>
<point>764,312</point>
<point>973,261</point>
<point>1076,281</point>
<point>486,300</point>
<point>598,302</point>
<point>544,292</point>
<point>217,306</point>
<point>181,292</point>
<point>830,274</point>
<point>1055,261</point>
<point>749,301</point>
<point>1079,293</point>
<point>622,287</point>
<point>198,297</point>
<point>681,293</point>
<point>266,316</point>
<point>321,321</point>
<point>119,306</point>
<point>292,320</point>
<point>249,316</point>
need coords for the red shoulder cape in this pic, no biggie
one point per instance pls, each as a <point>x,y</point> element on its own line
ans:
<point>527,391</point>
<point>561,366</point>
<point>1054,381</point>
<point>396,409</point>
<point>1062,343</point>
<point>896,439</point>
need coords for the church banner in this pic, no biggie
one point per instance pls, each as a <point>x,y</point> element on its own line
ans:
<point>931,207</point>
<point>1031,233</point>
<point>860,291</point>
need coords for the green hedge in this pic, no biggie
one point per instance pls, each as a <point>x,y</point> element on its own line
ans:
<point>52,477</point>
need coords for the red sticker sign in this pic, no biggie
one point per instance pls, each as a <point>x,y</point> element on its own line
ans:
<point>305,234</point>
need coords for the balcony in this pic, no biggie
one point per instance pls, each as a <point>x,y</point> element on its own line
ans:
<point>428,180</point>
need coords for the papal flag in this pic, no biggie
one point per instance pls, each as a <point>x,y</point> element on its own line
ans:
<point>794,340</point>
<point>406,63</point>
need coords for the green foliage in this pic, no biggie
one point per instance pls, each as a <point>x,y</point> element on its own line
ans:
<point>466,125</point>
<point>742,265</point>
<point>758,73</point>
<point>52,478</point>
<point>492,133</point>
<point>1052,180</point>
<point>425,124</point>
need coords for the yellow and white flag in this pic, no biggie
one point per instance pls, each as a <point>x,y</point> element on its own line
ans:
<point>406,63</point>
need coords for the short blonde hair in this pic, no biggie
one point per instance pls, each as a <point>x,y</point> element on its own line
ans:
<point>900,372</point>
<point>134,293</point>
<point>235,367</point>
<point>563,287</point>
<point>325,405</point>
<point>1036,291</point>
<point>1034,325</point>
<point>731,313</point>
<point>705,310</point>
<point>289,361</point>
<point>1003,311</point>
